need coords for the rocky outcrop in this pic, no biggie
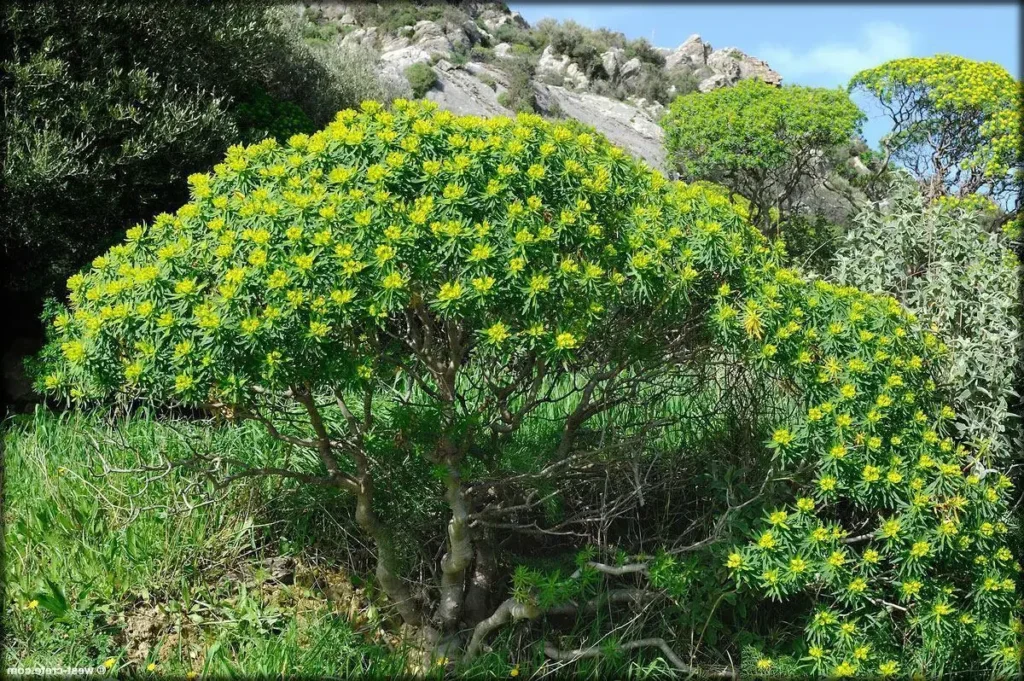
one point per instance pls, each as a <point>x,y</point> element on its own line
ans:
<point>561,86</point>
<point>625,125</point>
<point>692,54</point>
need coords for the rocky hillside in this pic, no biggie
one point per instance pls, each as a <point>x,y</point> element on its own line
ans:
<point>487,60</point>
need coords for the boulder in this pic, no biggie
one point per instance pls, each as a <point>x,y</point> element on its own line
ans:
<point>726,62</point>
<point>347,20</point>
<point>624,125</point>
<point>630,69</point>
<point>473,32</point>
<point>693,52</point>
<point>751,67</point>
<point>399,60</point>
<point>714,82</point>
<point>361,37</point>
<point>390,43</point>
<point>493,19</point>
<point>503,51</point>
<point>430,37</point>
<point>551,65</point>
<point>611,59</point>
<point>574,77</point>
<point>462,93</point>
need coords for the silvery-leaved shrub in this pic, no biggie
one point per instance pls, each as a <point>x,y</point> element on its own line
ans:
<point>961,277</point>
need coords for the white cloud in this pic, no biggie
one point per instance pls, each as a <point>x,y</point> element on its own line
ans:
<point>879,42</point>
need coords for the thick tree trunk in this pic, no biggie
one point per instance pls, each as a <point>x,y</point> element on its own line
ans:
<point>458,558</point>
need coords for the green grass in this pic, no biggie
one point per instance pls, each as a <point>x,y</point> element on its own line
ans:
<point>99,567</point>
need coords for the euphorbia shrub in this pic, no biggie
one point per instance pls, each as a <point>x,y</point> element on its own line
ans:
<point>407,281</point>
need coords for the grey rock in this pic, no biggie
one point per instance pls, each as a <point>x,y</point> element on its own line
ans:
<point>574,77</point>
<point>723,62</point>
<point>361,37</point>
<point>714,82</point>
<point>493,19</point>
<point>430,37</point>
<point>693,52</point>
<point>473,32</point>
<point>464,94</point>
<point>624,125</point>
<point>752,67</point>
<point>347,20</point>
<point>611,59</point>
<point>503,51</point>
<point>550,64</point>
<point>399,60</point>
<point>630,69</point>
<point>390,43</point>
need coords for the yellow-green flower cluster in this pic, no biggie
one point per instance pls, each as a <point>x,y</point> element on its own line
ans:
<point>898,516</point>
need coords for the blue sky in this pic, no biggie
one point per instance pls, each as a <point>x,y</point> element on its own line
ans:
<point>820,45</point>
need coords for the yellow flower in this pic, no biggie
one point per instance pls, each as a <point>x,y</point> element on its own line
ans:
<point>450,291</point>
<point>480,252</point>
<point>565,341</point>
<point>74,351</point>
<point>151,666</point>
<point>278,279</point>
<point>514,672</point>
<point>734,561</point>
<point>845,668</point>
<point>109,662</point>
<point>183,382</point>
<point>32,605</point>
<point>483,284</point>
<point>764,664</point>
<point>767,541</point>
<point>538,283</point>
<point>496,333</point>
<point>889,668</point>
<point>805,504</point>
<point>920,549</point>
<point>782,437</point>
<point>393,281</point>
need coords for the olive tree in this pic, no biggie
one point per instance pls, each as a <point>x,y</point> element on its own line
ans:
<point>520,305</point>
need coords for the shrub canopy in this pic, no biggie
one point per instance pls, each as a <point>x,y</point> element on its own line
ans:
<point>469,257</point>
<point>761,141</point>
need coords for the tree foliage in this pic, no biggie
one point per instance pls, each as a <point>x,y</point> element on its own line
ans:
<point>956,123</point>
<point>492,276</point>
<point>763,142</point>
